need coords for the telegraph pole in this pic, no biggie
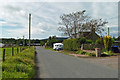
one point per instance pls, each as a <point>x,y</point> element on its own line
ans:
<point>29,28</point>
<point>23,41</point>
<point>108,31</point>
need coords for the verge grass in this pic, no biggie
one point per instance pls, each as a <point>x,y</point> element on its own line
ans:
<point>20,65</point>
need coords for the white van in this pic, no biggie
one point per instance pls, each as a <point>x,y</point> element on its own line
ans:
<point>57,46</point>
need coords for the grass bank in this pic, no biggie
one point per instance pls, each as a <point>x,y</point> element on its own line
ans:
<point>19,66</point>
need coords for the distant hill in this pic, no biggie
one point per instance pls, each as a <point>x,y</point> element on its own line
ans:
<point>58,38</point>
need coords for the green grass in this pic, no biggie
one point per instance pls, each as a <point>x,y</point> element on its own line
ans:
<point>20,65</point>
<point>85,53</point>
<point>110,53</point>
<point>8,51</point>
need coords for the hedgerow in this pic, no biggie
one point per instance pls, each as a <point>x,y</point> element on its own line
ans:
<point>73,44</point>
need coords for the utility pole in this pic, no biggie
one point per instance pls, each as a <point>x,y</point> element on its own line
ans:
<point>29,28</point>
<point>108,31</point>
<point>23,41</point>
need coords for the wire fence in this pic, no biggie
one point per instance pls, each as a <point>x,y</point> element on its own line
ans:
<point>11,51</point>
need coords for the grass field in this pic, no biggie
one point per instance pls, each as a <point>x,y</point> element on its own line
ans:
<point>20,65</point>
<point>8,51</point>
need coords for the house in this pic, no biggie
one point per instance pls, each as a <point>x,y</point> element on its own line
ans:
<point>87,34</point>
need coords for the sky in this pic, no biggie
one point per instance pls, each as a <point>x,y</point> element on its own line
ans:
<point>46,16</point>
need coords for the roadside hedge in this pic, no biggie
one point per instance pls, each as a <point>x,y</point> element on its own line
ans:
<point>73,44</point>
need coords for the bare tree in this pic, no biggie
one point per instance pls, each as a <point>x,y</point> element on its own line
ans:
<point>76,23</point>
<point>65,22</point>
<point>96,25</point>
<point>72,23</point>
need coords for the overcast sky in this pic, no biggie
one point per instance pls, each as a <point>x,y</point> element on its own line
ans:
<point>45,16</point>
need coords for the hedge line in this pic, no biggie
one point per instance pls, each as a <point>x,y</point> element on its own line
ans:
<point>73,44</point>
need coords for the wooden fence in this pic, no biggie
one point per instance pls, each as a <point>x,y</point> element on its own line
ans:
<point>19,49</point>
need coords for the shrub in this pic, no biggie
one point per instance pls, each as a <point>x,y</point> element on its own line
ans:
<point>85,53</point>
<point>89,42</point>
<point>90,54</point>
<point>73,44</point>
<point>67,44</point>
<point>81,41</point>
<point>99,41</point>
<point>52,41</point>
<point>110,53</point>
<point>42,43</point>
<point>107,43</point>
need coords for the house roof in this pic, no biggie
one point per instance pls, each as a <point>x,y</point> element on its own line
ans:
<point>85,33</point>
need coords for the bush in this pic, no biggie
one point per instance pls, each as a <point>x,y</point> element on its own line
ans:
<point>52,41</point>
<point>90,54</point>
<point>81,41</point>
<point>67,44</point>
<point>89,42</point>
<point>110,53</point>
<point>99,41</point>
<point>73,44</point>
<point>42,43</point>
<point>108,43</point>
<point>85,53</point>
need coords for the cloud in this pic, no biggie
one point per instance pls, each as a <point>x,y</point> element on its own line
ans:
<point>59,1</point>
<point>45,16</point>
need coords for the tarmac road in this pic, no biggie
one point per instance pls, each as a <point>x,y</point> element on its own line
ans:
<point>51,64</point>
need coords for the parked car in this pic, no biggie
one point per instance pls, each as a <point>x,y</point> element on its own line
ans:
<point>57,46</point>
<point>115,49</point>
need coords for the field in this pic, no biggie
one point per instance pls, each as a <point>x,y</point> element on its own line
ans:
<point>8,50</point>
<point>20,65</point>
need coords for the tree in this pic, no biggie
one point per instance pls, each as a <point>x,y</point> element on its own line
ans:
<point>96,25</point>
<point>76,23</point>
<point>72,23</point>
<point>42,43</point>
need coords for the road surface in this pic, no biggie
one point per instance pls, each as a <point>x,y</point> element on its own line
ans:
<point>51,64</point>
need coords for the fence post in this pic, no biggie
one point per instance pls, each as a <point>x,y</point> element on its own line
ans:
<point>3,55</point>
<point>17,50</point>
<point>20,49</point>
<point>12,51</point>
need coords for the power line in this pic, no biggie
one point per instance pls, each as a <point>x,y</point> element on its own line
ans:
<point>39,7</point>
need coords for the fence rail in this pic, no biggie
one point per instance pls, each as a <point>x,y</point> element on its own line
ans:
<point>12,51</point>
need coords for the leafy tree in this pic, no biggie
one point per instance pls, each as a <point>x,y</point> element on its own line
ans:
<point>114,38</point>
<point>42,43</point>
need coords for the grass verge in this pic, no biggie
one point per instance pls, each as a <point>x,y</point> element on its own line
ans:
<point>61,51</point>
<point>19,66</point>
<point>8,50</point>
